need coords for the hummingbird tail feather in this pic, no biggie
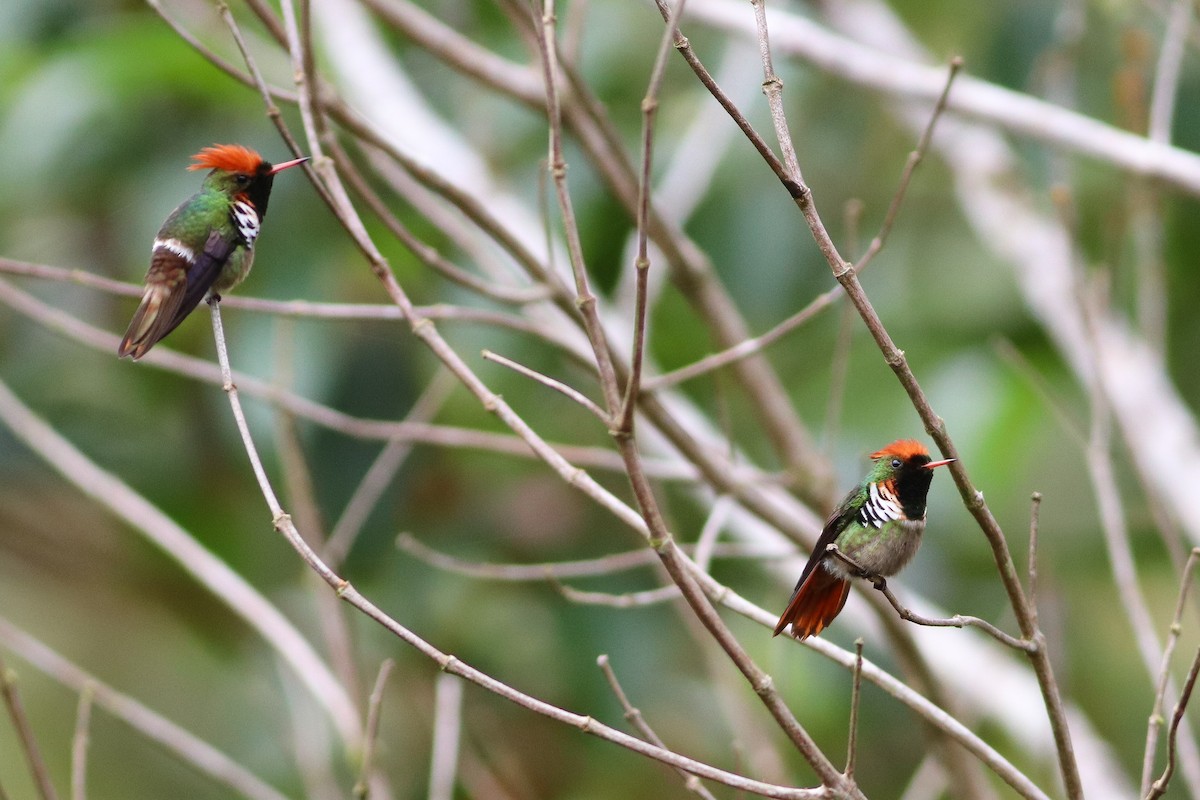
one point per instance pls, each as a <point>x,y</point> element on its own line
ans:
<point>814,604</point>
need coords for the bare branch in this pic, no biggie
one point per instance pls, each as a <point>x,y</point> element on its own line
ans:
<point>1035,506</point>
<point>641,263</point>
<point>633,716</point>
<point>546,380</point>
<point>206,569</point>
<point>649,597</point>
<point>855,695</point>
<point>1167,72</point>
<point>29,746</point>
<point>1154,727</point>
<point>447,726</point>
<point>362,787</point>
<point>910,166</point>
<point>373,484</point>
<point>185,745</point>
<point>606,565</point>
<point>80,742</point>
<point>1159,787</point>
<point>1010,110</point>
<point>957,621</point>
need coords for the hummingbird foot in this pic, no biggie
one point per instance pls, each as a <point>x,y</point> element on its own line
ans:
<point>213,297</point>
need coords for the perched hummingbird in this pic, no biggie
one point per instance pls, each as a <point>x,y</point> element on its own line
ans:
<point>206,245</point>
<point>878,524</point>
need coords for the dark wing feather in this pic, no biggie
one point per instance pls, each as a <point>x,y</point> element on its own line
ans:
<point>837,522</point>
<point>174,287</point>
<point>206,270</point>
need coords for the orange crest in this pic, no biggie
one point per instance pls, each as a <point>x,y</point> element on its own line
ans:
<point>229,157</point>
<point>903,449</point>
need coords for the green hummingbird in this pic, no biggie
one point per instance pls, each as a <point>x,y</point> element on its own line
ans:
<point>878,524</point>
<point>207,243</point>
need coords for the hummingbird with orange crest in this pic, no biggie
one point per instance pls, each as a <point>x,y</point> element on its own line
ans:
<point>206,246</point>
<point>878,525</point>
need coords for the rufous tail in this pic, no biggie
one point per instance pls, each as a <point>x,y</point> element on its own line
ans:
<point>814,604</point>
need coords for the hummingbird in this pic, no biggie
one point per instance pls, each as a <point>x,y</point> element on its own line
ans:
<point>878,524</point>
<point>207,243</point>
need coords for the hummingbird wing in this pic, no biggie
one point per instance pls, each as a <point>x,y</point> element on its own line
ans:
<point>175,285</point>
<point>206,270</point>
<point>819,594</point>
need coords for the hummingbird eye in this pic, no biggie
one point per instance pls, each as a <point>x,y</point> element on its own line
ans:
<point>896,463</point>
<point>242,179</point>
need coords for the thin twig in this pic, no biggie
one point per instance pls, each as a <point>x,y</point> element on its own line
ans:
<point>183,744</point>
<point>587,568</point>
<point>649,597</point>
<point>272,110</point>
<point>641,263</point>
<point>206,569</point>
<point>381,472</point>
<point>706,542</point>
<point>362,787</point>
<point>1159,788</point>
<point>28,742</point>
<point>932,713</point>
<point>633,716</point>
<point>447,730</point>
<point>751,346</point>
<point>1109,507</point>
<point>1013,111</point>
<point>1154,726</point>
<point>302,495</point>
<point>743,349</point>
<point>216,60</point>
<point>910,166</point>
<point>957,621</point>
<point>546,380</point>
<point>855,695</point>
<point>1035,507</point>
<point>1167,72</point>
<point>839,358</point>
<point>428,254</point>
<point>585,299</point>
<point>80,742</point>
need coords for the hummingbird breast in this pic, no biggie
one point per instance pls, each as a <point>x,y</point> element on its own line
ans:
<point>881,551</point>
